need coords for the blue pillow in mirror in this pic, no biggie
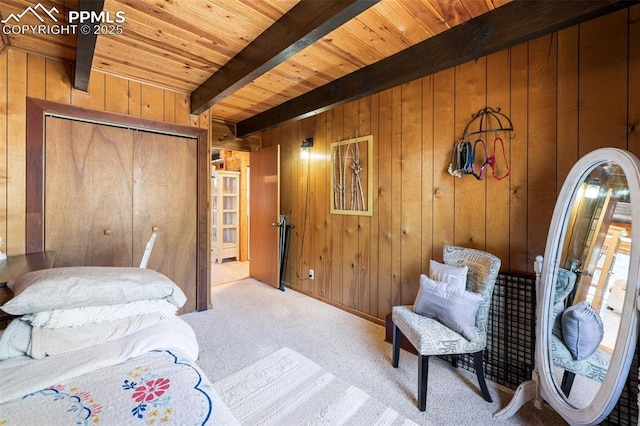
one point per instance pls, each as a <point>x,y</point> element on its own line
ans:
<point>582,330</point>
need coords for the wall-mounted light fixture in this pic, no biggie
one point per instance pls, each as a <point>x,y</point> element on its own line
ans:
<point>307,143</point>
<point>593,188</point>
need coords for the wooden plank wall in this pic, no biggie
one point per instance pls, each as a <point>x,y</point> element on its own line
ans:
<point>567,94</point>
<point>25,75</point>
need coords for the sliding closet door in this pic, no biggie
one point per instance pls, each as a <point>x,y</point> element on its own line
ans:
<point>88,187</point>
<point>165,185</point>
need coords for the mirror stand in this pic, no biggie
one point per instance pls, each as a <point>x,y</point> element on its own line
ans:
<point>525,392</point>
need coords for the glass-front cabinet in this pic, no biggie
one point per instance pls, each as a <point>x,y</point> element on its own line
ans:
<point>225,193</point>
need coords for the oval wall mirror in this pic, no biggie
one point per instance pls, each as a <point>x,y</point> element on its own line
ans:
<point>586,326</point>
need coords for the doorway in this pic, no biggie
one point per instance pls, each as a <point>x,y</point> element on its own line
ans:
<point>229,215</point>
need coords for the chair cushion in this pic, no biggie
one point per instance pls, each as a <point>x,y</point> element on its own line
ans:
<point>430,337</point>
<point>456,275</point>
<point>454,308</point>
<point>594,367</point>
<point>582,330</point>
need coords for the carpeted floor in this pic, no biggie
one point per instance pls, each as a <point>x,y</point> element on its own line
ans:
<point>250,320</point>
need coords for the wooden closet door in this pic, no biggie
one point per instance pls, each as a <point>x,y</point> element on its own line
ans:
<point>88,187</point>
<point>165,196</point>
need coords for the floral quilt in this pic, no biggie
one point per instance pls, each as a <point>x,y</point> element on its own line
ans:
<point>159,387</point>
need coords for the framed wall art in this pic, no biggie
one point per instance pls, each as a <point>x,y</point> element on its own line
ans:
<point>352,176</point>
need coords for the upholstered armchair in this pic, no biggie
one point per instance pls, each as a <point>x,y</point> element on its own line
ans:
<point>440,334</point>
<point>594,366</point>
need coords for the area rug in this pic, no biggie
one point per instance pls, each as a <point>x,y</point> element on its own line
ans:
<point>286,388</point>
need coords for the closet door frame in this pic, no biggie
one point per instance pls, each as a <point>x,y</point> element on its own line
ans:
<point>38,109</point>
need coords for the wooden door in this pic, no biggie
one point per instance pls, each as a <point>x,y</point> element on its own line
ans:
<point>604,270</point>
<point>164,199</point>
<point>599,227</point>
<point>264,210</point>
<point>88,191</point>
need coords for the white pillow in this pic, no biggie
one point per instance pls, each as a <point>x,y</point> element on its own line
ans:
<point>453,308</point>
<point>78,286</point>
<point>456,275</point>
<point>582,330</point>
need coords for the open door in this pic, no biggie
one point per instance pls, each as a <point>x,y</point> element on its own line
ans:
<point>264,215</point>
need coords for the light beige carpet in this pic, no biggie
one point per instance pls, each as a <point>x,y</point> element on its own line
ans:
<point>249,320</point>
<point>286,388</point>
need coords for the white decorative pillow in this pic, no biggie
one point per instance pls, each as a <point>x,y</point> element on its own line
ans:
<point>456,275</point>
<point>78,286</point>
<point>582,330</point>
<point>453,308</point>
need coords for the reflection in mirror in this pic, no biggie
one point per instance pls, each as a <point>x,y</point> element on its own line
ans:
<point>586,288</point>
<point>591,284</point>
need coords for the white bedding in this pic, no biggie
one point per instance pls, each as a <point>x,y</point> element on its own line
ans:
<point>24,374</point>
<point>77,317</point>
<point>158,387</point>
<point>21,338</point>
<point>55,341</point>
<point>102,345</point>
<point>149,376</point>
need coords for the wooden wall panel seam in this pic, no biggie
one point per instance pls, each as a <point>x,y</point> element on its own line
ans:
<point>4,150</point>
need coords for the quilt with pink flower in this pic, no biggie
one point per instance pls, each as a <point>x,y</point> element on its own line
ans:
<point>158,387</point>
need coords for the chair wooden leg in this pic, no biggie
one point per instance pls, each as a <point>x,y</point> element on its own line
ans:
<point>567,382</point>
<point>423,375</point>
<point>454,361</point>
<point>397,334</point>
<point>477,359</point>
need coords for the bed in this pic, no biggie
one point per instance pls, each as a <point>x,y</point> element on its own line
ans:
<point>102,345</point>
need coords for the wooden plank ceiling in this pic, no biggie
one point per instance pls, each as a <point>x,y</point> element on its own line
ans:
<point>181,45</point>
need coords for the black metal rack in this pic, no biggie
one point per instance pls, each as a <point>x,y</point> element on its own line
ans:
<point>488,120</point>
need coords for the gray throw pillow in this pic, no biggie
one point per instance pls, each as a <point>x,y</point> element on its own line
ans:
<point>454,308</point>
<point>582,330</point>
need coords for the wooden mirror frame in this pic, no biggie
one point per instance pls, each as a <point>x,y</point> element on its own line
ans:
<point>542,386</point>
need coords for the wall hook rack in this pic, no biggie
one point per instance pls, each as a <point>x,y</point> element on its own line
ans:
<point>488,120</point>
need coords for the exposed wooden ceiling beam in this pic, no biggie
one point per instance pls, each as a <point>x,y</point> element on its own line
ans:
<point>85,45</point>
<point>508,25</point>
<point>305,23</point>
